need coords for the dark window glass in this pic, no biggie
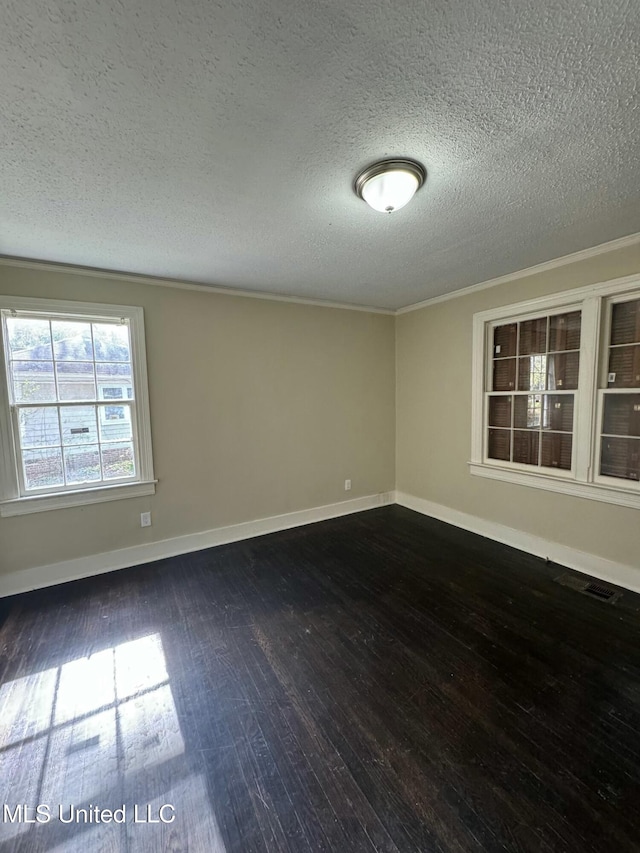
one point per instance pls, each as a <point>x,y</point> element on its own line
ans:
<point>504,340</point>
<point>556,450</point>
<point>500,444</point>
<point>621,414</point>
<point>500,411</point>
<point>625,322</point>
<point>624,367</point>
<point>504,374</point>
<point>558,412</point>
<point>533,336</point>
<point>564,331</point>
<point>532,373</point>
<point>526,446</point>
<point>528,411</point>
<point>620,457</point>
<point>563,371</point>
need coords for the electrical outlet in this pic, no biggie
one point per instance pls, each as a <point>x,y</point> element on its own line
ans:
<point>145,519</point>
<point>347,485</point>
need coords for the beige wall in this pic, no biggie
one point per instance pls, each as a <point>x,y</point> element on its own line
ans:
<point>261,408</point>
<point>258,408</point>
<point>433,427</point>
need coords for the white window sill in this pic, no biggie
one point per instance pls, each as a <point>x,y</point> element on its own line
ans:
<point>590,491</point>
<point>81,497</point>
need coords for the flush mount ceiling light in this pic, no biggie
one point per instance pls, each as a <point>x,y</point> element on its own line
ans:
<point>390,184</point>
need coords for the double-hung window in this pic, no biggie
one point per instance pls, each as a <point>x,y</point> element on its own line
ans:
<point>556,396</point>
<point>74,407</point>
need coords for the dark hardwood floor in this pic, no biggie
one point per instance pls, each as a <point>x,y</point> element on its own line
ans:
<point>379,682</point>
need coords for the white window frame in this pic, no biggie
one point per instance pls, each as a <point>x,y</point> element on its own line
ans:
<point>13,500</point>
<point>583,480</point>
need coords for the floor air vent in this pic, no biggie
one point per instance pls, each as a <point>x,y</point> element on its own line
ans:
<point>599,591</point>
<point>595,590</point>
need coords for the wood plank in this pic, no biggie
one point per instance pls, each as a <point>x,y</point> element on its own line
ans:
<point>379,682</point>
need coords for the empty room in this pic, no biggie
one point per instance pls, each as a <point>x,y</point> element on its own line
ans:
<point>319,426</point>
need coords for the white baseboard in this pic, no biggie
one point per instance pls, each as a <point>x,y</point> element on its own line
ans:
<point>82,567</point>
<point>109,561</point>
<point>581,561</point>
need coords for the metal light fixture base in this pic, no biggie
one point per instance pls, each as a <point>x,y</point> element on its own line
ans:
<point>392,164</point>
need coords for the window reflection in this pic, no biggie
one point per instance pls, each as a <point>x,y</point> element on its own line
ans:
<point>85,685</point>
<point>72,731</point>
<point>532,373</point>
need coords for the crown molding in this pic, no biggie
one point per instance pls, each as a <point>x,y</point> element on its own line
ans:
<point>71,269</point>
<point>545,266</point>
<point>135,278</point>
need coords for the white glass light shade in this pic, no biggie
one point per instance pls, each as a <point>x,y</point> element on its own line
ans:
<point>390,191</point>
<point>390,184</point>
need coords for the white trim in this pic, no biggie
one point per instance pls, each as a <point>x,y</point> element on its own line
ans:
<point>82,497</point>
<point>581,480</point>
<point>564,298</point>
<point>584,423</point>
<point>12,501</point>
<point>66,307</point>
<point>545,266</point>
<point>479,377</point>
<point>82,567</point>
<point>564,485</point>
<point>48,266</point>
<point>109,561</point>
<point>581,561</point>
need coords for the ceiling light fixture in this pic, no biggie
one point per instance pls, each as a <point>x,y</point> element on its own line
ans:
<point>390,184</point>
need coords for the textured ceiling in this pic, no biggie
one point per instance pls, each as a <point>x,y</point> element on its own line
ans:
<point>217,142</point>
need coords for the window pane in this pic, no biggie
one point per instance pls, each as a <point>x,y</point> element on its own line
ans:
<point>39,427</point>
<point>114,413</point>
<point>113,377</point>
<point>33,381</point>
<point>528,411</point>
<point>82,464</point>
<point>42,468</point>
<point>115,423</point>
<point>625,322</point>
<point>504,340</point>
<point>621,414</point>
<point>526,446</point>
<point>558,412</point>
<point>500,444</point>
<point>533,336</point>
<point>500,411</point>
<point>112,393</point>
<point>117,461</point>
<point>564,331</point>
<point>563,372</point>
<point>75,380</point>
<point>532,373</point>
<point>78,425</point>
<point>504,374</point>
<point>111,341</point>
<point>71,387</point>
<point>620,457</point>
<point>71,340</point>
<point>624,367</point>
<point>29,340</point>
<point>556,450</point>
